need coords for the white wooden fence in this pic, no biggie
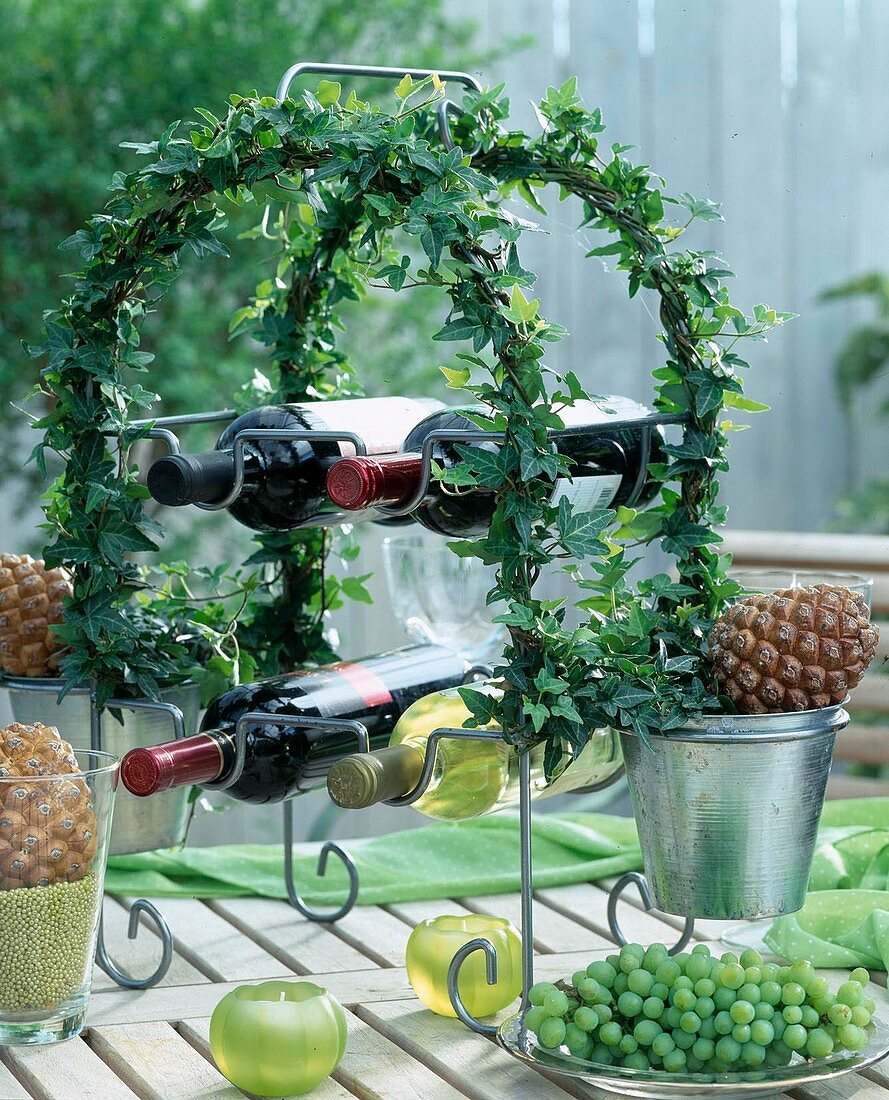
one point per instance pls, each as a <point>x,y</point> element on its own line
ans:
<point>776,108</point>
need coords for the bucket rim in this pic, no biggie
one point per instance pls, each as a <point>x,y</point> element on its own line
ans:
<point>55,684</point>
<point>745,728</point>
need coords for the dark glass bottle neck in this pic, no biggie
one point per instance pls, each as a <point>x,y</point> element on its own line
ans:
<point>205,478</point>
<point>363,482</point>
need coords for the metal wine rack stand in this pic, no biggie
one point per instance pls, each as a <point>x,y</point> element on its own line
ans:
<point>162,428</point>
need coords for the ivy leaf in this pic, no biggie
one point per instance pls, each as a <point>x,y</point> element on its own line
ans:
<point>356,588</point>
<point>404,87</point>
<point>745,404</point>
<point>579,531</point>
<point>459,329</point>
<point>456,379</point>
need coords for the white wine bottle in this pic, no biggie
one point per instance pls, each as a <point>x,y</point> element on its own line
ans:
<point>470,778</point>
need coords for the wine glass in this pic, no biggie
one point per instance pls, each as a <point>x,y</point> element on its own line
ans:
<point>439,598</point>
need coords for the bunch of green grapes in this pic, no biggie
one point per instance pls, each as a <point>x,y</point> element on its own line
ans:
<point>694,1013</point>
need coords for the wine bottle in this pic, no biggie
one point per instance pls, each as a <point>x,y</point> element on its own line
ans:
<point>469,778</point>
<point>282,761</point>
<point>283,486</point>
<point>609,467</point>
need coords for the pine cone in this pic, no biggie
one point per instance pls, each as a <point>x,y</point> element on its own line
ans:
<point>794,649</point>
<point>30,602</point>
<point>47,826</point>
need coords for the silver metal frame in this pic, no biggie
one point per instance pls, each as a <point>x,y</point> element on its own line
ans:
<point>161,428</point>
<point>446,107</point>
<point>141,905</point>
<point>331,847</point>
<point>527,929</point>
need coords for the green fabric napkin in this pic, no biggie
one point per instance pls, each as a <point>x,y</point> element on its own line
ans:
<point>435,861</point>
<point>845,921</point>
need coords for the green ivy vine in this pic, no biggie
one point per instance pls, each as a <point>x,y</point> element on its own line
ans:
<point>350,184</point>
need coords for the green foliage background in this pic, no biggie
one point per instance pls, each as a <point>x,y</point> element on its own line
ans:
<point>81,76</point>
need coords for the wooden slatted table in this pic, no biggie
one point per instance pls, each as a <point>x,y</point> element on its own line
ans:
<point>154,1044</point>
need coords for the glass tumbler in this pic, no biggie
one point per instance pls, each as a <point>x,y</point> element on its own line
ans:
<point>769,580</point>
<point>54,833</point>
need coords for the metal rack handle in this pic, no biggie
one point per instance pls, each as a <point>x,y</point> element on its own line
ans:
<point>460,956</point>
<point>106,963</point>
<point>258,435</point>
<point>170,709</point>
<point>464,435</point>
<point>384,72</point>
<point>331,846</point>
<point>641,884</point>
<point>301,721</point>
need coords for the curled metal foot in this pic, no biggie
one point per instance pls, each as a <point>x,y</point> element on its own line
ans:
<point>293,897</point>
<point>478,944</point>
<point>639,880</point>
<point>105,962</point>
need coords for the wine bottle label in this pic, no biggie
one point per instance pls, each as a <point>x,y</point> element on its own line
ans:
<point>601,411</point>
<point>587,493</point>
<point>382,422</point>
<point>364,680</point>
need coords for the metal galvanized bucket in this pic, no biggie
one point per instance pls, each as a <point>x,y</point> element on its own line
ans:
<point>728,809</point>
<point>140,824</point>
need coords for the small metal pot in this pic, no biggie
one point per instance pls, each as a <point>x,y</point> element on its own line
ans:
<point>728,808</point>
<point>140,824</point>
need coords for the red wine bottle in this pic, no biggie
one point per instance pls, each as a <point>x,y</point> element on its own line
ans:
<point>283,486</point>
<point>609,467</point>
<point>282,761</point>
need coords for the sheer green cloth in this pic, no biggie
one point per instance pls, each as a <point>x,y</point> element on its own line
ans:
<point>845,921</point>
<point>434,861</point>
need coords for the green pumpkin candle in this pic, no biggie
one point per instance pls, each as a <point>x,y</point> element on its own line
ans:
<point>432,946</point>
<point>278,1038</point>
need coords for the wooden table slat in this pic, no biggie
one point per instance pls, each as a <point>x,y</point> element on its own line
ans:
<point>552,930</point>
<point>374,1068</point>
<point>851,1087</point>
<point>64,1071</point>
<point>412,912</point>
<point>375,933</point>
<point>481,1071</point>
<point>10,1086</point>
<point>587,905</point>
<point>158,1063</point>
<point>280,930</point>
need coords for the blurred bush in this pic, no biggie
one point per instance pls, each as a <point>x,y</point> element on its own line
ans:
<point>81,76</point>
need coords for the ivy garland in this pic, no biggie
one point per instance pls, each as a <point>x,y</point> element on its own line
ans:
<point>354,181</point>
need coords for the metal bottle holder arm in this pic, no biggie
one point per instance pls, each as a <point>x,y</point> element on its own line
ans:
<point>161,428</point>
<point>141,905</point>
<point>446,107</point>
<point>302,722</point>
<point>527,900</point>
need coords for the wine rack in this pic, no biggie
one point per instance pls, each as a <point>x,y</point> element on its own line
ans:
<point>164,429</point>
